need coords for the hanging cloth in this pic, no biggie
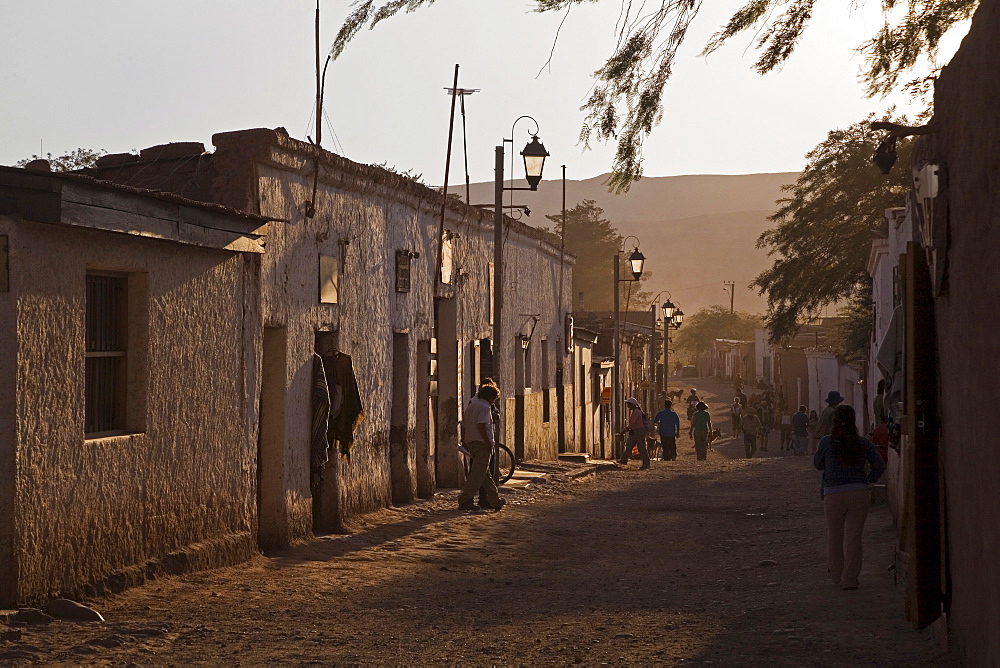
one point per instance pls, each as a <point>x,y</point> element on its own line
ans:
<point>344,386</point>
<point>319,443</point>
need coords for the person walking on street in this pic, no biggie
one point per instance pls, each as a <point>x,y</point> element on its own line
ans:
<point>692,403</point>
<point>701,425</point>
<point>638,427</point>
<point>751,427</point>
<point>766,422</point>
<point>478,440</point>
<point>800,431</point>
<point>825,425</point>
<point>736,411</point>
<point>841,457</point>
<point>668,425</point>
<point>811,429</point>
<point>786,430</point>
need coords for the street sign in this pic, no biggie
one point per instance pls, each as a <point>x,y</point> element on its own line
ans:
<point>606,396</point>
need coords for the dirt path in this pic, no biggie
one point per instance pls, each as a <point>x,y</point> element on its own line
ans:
<point>653,567</point>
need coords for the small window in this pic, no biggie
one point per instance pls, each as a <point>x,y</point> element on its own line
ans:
<point>329,279</point>
<point>106,353</point>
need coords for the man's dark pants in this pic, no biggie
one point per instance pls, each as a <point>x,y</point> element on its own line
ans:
<point>668,445</point>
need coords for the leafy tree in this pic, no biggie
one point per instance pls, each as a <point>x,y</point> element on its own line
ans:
<point>625,103</point>
<point>78,159</point>
<point>714,322</point>
<point>825,227</point>
<point>850,337</point>
<point>594,240</point>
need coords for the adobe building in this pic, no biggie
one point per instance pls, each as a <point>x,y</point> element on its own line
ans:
<point>130,339</point>
<point>946,293</point>
<point>352,272</point>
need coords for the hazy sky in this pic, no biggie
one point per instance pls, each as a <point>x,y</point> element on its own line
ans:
<point>126,74</point>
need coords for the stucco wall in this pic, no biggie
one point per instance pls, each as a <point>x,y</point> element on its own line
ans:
<point>365,215</point>
<point>8,426</point>
<point>88,509</point>
<point>967,101</point>
<point>368,312</point>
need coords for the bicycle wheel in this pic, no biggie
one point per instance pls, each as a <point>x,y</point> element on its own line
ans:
<point>505,463</point>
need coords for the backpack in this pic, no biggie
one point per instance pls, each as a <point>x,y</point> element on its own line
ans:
<point>646,424</point>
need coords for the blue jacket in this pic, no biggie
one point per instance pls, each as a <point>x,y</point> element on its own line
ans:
<point>838,476</point>
<point>667,423</point>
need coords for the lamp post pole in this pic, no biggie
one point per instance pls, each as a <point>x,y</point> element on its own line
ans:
<point>636,260</point>
<point>534,155</point>
<point>658,342</point>
<point>497,262</point>
<point>666,356</point>
<point>616,391</point>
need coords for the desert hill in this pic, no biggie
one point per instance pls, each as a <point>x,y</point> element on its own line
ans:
<point>696,231</point>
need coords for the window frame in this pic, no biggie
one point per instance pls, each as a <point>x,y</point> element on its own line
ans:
<point>110,341</point>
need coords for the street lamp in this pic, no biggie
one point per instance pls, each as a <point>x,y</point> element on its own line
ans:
<point>673,318</point>
<point>636,259</point>
<point>534,155</point>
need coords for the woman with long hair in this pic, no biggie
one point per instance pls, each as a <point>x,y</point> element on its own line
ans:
<point>849,464</point>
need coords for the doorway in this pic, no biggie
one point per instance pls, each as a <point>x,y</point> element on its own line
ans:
<point>271,517</point>
<point>402,454</point>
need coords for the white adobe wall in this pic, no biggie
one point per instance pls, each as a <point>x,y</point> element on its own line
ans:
<point>182,489</point>
<point>377,213</point>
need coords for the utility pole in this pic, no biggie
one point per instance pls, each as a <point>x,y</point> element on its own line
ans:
<point>616,391</point>
<point>730,287</point>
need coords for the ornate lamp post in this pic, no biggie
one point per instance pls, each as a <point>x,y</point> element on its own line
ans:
<point>534,155</point>
<point>636,260</point>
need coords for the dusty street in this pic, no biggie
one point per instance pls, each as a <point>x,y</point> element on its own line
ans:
<point>716,562</point>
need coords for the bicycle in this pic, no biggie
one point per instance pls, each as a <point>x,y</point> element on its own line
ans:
<point>502,465</point>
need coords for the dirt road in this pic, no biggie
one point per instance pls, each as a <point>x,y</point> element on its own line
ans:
<point>716,562</point>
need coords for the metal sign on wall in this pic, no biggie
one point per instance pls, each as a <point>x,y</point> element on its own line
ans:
<point>403,271</point>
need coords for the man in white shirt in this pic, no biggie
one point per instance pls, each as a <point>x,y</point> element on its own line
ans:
<point>478,439</point>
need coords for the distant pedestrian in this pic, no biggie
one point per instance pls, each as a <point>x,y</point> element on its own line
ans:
<point>701,425</point>
<point>878,403</point>
<point>692,402</point>
<point>766,423</point>
<point>735,411</point>
<point>786,430</point>
<point>638,427</point>
<point>825,425</point>
<point>811,430</point>
<point>668,426</point>
<point>479,440</point>
<point>800,431</point>
<point>842,456</point>
<point>751,428</point>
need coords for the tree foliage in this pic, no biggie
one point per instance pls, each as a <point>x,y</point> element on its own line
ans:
<point>77,159</point>
<point>595,240</point>
<point>626,102</point>
<point>850,337</point>
<point>715,322</point>
<point>825,226</point>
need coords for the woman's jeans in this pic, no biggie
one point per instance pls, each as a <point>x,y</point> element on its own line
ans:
<point>845,522</point>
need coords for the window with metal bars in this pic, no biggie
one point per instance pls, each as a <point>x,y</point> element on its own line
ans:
<point>106,353</point>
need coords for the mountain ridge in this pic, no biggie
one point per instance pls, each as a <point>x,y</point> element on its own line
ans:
<point>696,230</point>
